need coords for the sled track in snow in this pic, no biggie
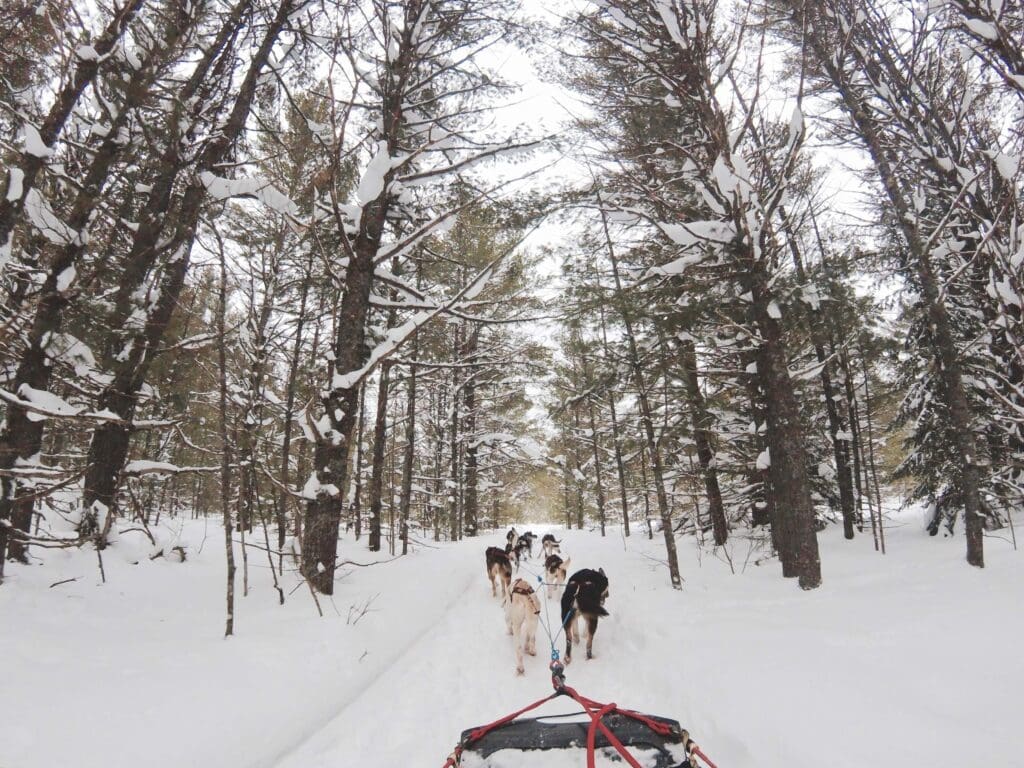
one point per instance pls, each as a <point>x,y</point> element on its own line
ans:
<point>372,680</point>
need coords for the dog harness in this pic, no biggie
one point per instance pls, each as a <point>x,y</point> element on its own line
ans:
<point>522,588</point>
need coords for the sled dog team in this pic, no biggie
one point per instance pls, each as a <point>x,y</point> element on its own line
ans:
<point>583,596</point>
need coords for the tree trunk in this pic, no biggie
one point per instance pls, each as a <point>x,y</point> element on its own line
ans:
<point>702,420</point>
<point>453,477</point>
<point>470,512</point>
<point>788,468</point>
<point>437,500</point>
<point>817,326</point>
<point>289,408</point>
<point>598,485</point>
<point>357,468</point>
<point>409,459</point>
<point>653,451</point>
<point>377,459</point>
<point>225,452</point>
<point>21,437</point>
<point>961,417</point>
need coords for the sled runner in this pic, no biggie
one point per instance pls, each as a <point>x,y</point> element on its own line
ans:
<point>608,731</point>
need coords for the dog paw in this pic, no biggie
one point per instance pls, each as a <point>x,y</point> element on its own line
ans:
<point>520,671</point>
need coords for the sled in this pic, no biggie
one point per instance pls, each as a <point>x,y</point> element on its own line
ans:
<point>608,734</point>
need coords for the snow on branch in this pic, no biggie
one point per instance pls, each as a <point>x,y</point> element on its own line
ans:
<point>444,220</point>
<point>495,151</point>
<point>258,188</point>
<point>141,467</point>
<point>40,405</point>
<point>399,335</point>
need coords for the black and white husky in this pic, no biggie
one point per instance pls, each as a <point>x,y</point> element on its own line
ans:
<point>584,597</point>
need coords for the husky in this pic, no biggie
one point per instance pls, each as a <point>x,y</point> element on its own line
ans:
<point>521,616</point>
<point>555,568</point>
<point>499,567</point>
<point>584,596</point>
<point>551,545</point>
<point>511,537</point>
<point>524,547</point>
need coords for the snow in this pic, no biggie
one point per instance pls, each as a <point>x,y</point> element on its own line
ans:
<point>796,126</point>
<point>728,182</point>
<point>87,53</point>
<point>810,296</point>
<point>257,187</point>
<point>142,467</point>
<point>372,182</point>
<point>764,460</point>
<point>982,29</point>
<point>15,184</point>
<point>675,267</point>
<point>45,401</point>
<point>312,487</point>
<point>671,22</point>
<point>870,669</point>
<point>51,226</point>
<point>1007,165</point>
<point>34,144</point>
<point>65,279</point>
<point>695,232</point>
<point>72,351</point>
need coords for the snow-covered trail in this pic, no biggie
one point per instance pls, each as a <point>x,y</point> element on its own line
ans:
<point>461,672</point>
<point>874,668</point>
<point>900,661</point>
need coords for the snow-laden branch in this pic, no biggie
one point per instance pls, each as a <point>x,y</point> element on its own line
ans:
<point>142,467</point>
<point>399,335</point>
<point>41,405</point>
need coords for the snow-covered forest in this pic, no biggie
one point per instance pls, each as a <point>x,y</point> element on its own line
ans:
<point>304,303</point>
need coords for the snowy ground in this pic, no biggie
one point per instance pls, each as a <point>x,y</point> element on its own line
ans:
<point>906,660</point>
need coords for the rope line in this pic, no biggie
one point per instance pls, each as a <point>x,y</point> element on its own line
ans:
<point>546,623</point>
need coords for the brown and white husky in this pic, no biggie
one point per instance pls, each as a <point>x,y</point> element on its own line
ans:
<point>521,616</point>
<point>552,546</point>
<point>555,568</point>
